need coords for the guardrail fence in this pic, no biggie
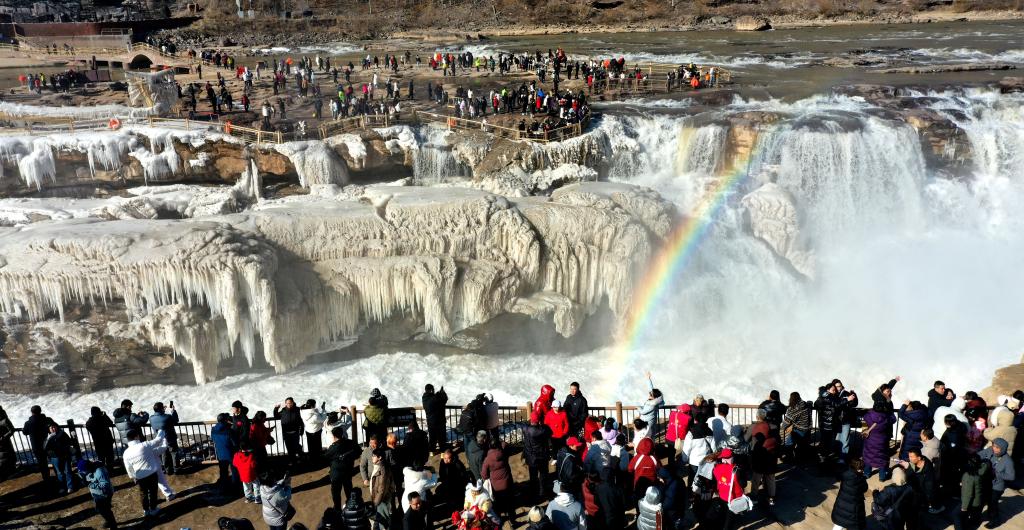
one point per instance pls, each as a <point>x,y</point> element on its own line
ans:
<point>194,437</point>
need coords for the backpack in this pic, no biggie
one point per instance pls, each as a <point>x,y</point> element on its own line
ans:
<point>675,422</point>
<point>882,513</point>
<point>467,421</point>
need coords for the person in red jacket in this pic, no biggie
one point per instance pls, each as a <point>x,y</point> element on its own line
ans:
<point>497,469</point>
<point>543,404</point>
<point>589,426</point>
<point>259,435</point>
<point>678,425</point>
<point>245,462</point>
<point>644,467</point>
<point>726,482</point>
<point>558,421</point>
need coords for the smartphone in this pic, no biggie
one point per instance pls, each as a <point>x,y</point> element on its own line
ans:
<point>172,403</point>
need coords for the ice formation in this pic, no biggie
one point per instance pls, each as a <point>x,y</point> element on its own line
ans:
<point>290,278</point>
<point>315,162</point>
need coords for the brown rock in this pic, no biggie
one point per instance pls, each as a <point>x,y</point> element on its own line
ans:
<point>752,23</point>
<point>1007,380</point>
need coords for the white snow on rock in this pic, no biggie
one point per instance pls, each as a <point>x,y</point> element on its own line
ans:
<point>315,162</point>
<point>772,218</point>
<point>289,278</point>
<point>17,110</point>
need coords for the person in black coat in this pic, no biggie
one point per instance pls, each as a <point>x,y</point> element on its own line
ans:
<point>240,424</point>
<point>569,468</point>
<point>848,511</point>
<point>37,428</point>
<point>8,457</point>
<point>702,410</point>
<point>452,479</point>
<point>610,501</point>
<point>292,427</point>
<point>939,396</point>
<point>434,408</point>
<point>576,407</point>
<point>415,518</point>
<point>60,450</point>
<point>341,456</point>
<point>537,455</point>
<point>952,456</point>
<point>922,479</point>
<point>773,409</point>
<point>416,445</point>
<point>125,420</point>
<point>894,502</point>
<point>99,425</point>
<point>357,513</point>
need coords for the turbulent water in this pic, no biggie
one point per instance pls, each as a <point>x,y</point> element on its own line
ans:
<point>896,268</point>
<point>914,274</point>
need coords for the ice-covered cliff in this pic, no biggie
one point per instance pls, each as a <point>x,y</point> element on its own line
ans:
<point>296,276</point>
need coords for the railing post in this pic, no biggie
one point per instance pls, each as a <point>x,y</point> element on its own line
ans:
<point>618,413</point>
<point>355,424</point>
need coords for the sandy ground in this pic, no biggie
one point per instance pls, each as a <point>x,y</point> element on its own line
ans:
<point>805,498</point>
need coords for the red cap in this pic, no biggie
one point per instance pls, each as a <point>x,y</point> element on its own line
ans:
<point>726,453</point>
<point>573,442</point>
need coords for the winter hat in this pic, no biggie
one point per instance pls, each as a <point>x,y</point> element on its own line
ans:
<point>899,477</point>
<point>556,404</point>
<point>236,404</point>
<point>653,496</point>
<point>1001,443</point>
<point>573,442</point>
<point>685,408</point>
<point>726,453</point>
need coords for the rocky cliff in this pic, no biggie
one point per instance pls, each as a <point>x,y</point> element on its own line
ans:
<point>94,301</point>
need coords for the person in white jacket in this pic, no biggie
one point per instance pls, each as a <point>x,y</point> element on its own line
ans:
<point>340,418</point>
<point>956,408</point>
<point>695,449</point>
<point>418,479</point>
<point>313,420</point>
<point>142,463</point>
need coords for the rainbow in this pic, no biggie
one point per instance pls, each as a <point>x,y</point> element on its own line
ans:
<point>673,257</point>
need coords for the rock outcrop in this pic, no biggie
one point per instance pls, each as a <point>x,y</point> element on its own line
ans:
<point>1006,381</point>
<point>752,23</point>
<point>295,277</point>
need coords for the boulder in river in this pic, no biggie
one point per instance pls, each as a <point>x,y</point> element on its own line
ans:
<point>752,23</point>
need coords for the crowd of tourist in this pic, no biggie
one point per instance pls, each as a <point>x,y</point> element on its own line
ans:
<point>382,92</point>
<point>954,459</point>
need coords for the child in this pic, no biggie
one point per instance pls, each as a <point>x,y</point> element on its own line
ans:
<point>245,462</point>
<point>102,491</point>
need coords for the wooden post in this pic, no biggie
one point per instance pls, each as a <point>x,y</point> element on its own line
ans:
<point>355,424</point>
<point>529,409</point>
<point>278,136</point>
<point>618,412</point>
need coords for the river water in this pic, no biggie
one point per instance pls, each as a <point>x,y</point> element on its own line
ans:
<point>895,264</point>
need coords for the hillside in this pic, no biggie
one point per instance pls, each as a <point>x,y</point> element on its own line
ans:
<point>328,20</point>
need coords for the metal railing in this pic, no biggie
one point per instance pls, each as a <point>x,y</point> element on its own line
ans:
<point>194,437</point>
<point>553,135</point>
